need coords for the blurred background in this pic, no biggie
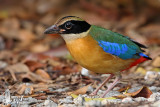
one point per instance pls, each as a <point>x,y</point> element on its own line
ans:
<point>27,55</point>
<point>22,22</point>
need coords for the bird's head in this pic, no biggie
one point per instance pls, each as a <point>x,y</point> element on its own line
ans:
<point>69,27</point>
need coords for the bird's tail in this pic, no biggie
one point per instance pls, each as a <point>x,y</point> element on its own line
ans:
<point>145,56</point>
<point>142,58</point>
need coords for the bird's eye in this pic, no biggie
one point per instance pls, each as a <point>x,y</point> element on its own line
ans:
<point>68,25</point>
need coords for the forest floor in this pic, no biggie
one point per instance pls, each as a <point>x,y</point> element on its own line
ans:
<point>37,69</point>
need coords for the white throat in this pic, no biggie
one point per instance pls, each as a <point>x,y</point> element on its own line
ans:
<point>68,37</point>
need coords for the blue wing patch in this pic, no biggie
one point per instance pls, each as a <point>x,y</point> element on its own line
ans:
<point>123,51</point>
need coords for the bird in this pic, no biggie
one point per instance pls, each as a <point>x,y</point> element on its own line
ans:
<point>98,49</point>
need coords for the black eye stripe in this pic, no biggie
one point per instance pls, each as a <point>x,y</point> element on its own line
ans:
<point>77,27</point>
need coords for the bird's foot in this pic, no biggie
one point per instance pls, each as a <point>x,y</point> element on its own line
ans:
<point>93,93</point>
<point>112,85</point>
<point>103,96</point>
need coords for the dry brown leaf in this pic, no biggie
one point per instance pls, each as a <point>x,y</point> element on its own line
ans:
<point>120,96</point>
<point>1,105</point>
<point>156,62</point>
<point>39,47</point>
<point>44,85</point>
<point>5,53</point>
<point>82,90</point>
<point>33,65</point>
<point>143,92</point>
<point>42,73</point>
<point>17,68</point>
<point>28,77</point>
<point>42,89</point>
<point>35,95</point>
<point>34,77</point>
<point>153,3</point>
<point>54,62</point>
<point>21,89</point>
<point>36,56</point>
<point>141,70</point>
<point>25,37</point>
<point>41,97</point>
<point>68,70</point>
<point>125,88</point>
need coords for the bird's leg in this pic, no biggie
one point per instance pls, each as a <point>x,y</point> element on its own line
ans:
<point>106,80</point>
<point>118,77</point>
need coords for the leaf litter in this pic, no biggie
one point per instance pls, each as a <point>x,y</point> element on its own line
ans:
<point>37,70</point>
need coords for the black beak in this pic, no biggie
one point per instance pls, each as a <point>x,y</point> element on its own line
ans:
<point>52,30</point>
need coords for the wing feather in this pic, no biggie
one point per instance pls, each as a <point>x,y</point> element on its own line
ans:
<point>116,44</point>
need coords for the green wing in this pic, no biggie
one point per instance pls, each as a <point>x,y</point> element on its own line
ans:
<point>115,43</point>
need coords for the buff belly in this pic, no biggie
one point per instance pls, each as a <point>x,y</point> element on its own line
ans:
<point>91,56</point>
